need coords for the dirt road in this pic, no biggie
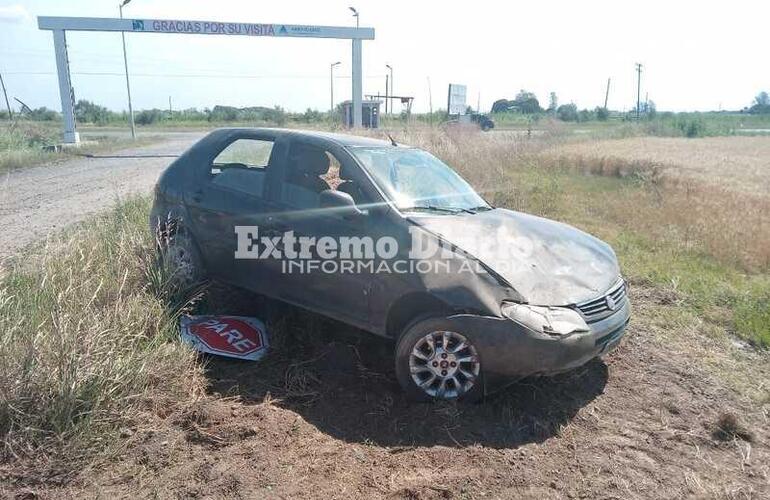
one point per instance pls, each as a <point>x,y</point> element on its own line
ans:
<point>37,201</point>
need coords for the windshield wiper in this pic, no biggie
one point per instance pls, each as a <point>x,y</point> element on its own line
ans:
<point>480,208</point>
<point>434,208</point>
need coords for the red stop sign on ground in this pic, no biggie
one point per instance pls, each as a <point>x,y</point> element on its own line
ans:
<point>232,336</point>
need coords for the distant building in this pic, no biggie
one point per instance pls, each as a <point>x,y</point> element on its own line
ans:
<point>370,116</point>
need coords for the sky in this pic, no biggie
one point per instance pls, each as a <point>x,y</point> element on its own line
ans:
<point>696,55</point>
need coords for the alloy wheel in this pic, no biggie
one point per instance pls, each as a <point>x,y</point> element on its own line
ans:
<point>444,365</point>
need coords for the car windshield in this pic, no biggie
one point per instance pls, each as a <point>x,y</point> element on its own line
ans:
<point>418,181</point>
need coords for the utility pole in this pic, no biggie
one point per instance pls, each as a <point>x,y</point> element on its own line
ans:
<point>430,101</point>
<point>607,94</point>
<point>170,111</point>
<point>391,87</point>
<point>7,104</point>
<point>638,89</point>
<point>331,88</point>
<point>386,94</point>
<point>125,63</point>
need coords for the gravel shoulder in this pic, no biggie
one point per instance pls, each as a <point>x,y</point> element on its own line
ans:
<point>36,201</point>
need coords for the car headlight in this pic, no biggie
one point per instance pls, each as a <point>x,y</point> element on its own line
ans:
<point>557,321</point>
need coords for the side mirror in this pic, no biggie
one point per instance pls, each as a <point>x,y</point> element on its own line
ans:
<point>339,203</point>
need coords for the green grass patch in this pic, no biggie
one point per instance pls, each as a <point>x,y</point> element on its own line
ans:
<point>22,144</point>
<point>752,315</point>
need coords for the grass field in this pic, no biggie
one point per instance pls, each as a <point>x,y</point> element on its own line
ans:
<point>741,163</point>
<point>92,377</point>
<point>25,144</point>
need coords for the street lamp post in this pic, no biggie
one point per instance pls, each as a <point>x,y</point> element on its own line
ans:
<point>125,63</point>
<point>391,86</point>
<point>331,88</point>
<point>355,14</point>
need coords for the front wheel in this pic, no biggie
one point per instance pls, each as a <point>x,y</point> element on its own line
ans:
<point>434,361</point>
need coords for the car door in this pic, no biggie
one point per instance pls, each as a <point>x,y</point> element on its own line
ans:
<point>325,288</point>
<point>233,191</point>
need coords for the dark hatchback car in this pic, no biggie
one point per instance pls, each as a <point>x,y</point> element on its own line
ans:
<point>390,239</point>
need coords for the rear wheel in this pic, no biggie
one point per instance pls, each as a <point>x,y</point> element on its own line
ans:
<point>182,260</point>
<point>434,361</point>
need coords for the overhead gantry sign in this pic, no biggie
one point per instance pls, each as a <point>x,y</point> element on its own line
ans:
<point>60,25</point>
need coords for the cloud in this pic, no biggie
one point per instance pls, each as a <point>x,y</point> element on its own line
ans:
<point>14,14</point>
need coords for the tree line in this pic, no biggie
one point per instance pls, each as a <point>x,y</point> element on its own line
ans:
<point>92,113</point>
<point>527,103</point>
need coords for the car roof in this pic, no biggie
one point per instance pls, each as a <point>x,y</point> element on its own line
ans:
<point>340,139</point>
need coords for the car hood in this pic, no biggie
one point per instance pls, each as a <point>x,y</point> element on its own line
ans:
<point>546,262</point>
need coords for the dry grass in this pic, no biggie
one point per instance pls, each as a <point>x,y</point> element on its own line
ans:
<point>693,214</point>
<point>84,340</point>
<point>738,163</point>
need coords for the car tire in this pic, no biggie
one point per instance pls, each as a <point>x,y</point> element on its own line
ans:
<point>429,369</point>
<point>182,260</point>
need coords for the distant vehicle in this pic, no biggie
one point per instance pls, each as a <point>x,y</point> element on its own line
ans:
<point>484,121</point>
<point>533,296</point>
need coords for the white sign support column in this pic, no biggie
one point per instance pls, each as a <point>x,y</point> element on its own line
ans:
<point>357,91</point>
<point>70,134</point>
<point>59,26</point>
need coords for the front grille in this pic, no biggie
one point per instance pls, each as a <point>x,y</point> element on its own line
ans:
<point>599,308</point>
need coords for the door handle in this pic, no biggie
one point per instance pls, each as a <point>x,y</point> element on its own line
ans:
<point>197,196</point>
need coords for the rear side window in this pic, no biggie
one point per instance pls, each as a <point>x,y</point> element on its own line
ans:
<point>242,165</point>
<point>244,153</point>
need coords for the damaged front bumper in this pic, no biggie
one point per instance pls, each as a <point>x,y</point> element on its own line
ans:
<point>512,351</point>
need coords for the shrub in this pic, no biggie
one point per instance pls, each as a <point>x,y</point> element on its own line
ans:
<point>148,116</point>
<point>525,102</point>
<point>43,115</point>
<point>602,114</point>
<point>691,127</point>
<point>311,115</point>
<point>567,113</point>
<point>223,114</point>
<point>585,116</point>
<point>275,115</point>
<point>88,112</point>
